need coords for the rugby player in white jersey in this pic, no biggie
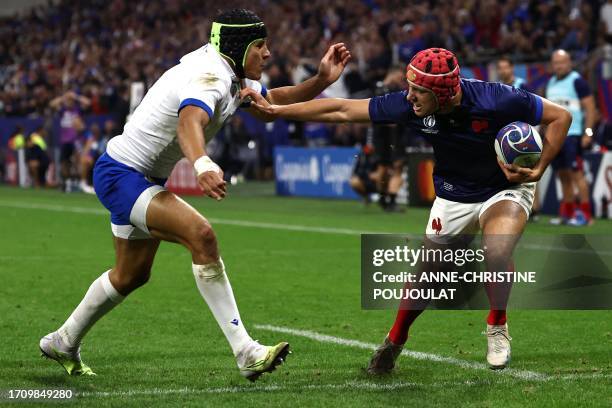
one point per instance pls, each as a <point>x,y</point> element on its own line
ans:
<point>181,111</point>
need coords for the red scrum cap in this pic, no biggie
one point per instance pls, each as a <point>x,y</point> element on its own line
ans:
<point>435,69</point>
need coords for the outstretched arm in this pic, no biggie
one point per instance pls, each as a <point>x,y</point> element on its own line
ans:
<point>330,68</point>
<point>333,110</point>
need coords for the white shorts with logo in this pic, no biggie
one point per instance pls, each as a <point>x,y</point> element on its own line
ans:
<point>448,218</point>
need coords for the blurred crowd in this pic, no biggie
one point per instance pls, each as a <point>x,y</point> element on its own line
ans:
<point>98,48</point>
<point>71,58</point>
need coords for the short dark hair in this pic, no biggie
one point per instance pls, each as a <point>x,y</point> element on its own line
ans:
<point>505,58</point>
<point>237,16</point>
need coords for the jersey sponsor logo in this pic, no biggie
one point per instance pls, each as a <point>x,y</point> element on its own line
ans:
<point>429,122</point>
<point>448,186</point>
<point>436,225</point>
<point>478,125</point>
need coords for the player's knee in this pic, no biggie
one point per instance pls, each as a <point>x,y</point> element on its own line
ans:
<point>204,240</point>
<point>497,259</point>
<point>141,278</point>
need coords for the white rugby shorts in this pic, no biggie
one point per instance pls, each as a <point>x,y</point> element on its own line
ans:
<point>448,218</point>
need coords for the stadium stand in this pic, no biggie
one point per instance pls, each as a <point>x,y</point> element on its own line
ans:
<point>112,51</point>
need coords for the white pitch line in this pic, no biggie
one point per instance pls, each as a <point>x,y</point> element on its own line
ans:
<point>324,338</point>
<point>292,227</point>
<point>255,388</point>
<point>284,227</point>
<point>223,221</point>
<point>51,207</point>
<point>352,385</point>
<point>580,376</point>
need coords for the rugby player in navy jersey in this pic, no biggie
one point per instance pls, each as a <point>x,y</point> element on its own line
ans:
<point>460,118</point>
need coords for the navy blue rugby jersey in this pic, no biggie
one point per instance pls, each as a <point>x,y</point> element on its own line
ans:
<point>466,168</point>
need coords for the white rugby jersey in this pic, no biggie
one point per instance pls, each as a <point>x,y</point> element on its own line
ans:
<point>203,78</point>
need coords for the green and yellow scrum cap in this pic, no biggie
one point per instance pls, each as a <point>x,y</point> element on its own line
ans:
<point>233,41</point>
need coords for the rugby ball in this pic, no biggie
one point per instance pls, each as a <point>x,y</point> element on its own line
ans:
<point>518,143</point>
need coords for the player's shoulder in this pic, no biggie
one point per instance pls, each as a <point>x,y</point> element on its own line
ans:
<point>478,87</point>
<point>573,75</point>
<point>577,79</point>
<point>395,99</point>
<point>390,107</point>
<point>484,94</point>
<point>203,65</point>
<point>581,86</point>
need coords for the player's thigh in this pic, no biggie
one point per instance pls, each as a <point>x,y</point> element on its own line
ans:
<point>172,219</point>
<point>507,211</point>
<point>450,220</point>
<point>505,217</point>
<point>565,175</point>
<point>502,225</point>
<point>578,176</point>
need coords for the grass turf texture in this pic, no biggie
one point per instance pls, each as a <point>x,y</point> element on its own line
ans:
<point>162,346</point>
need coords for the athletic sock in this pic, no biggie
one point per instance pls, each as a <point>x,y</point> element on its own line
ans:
<point>100,299</point>
<point>496,317</point>
<point>408,311</point>
<point>586,210</point>
<point>217,292</point>
<point>566,210</point>
<point>404,319</point>
<point>498,294</point>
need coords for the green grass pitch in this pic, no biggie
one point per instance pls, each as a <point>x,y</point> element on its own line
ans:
<point>161,347</point>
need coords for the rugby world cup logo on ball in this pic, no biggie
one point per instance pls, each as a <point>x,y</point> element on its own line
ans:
<point>518,143</point>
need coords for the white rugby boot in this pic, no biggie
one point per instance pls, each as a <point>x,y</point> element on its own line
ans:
<point>86,188</point>
<point>498,346</point>
<point>53,347</point>
<point>255,359</point>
